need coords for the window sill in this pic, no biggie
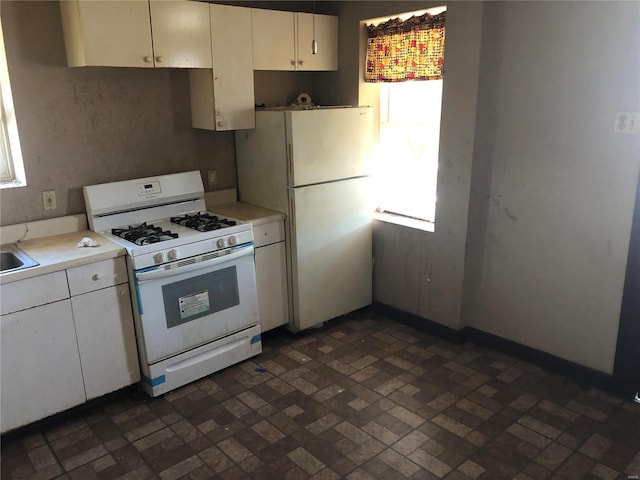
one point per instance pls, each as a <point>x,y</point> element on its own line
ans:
<point>404,221</point>
<point>14,184</point>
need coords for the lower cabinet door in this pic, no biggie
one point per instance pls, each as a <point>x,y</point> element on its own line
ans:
<point>271,280</point>
<point>106,339</point>
<point>40,366</point>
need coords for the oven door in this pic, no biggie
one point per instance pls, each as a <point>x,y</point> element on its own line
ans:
<point>191,302</point>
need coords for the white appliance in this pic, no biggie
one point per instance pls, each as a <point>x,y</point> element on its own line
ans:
<point>192,276</point>
<point>311,164</point>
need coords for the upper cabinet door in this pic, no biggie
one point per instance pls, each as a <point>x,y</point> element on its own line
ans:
<point>326,36</point>
<point>273,40</point>
<point>232,67</point>
<point>181,34</point>
<point>107,33</point>
<point>222,98</point>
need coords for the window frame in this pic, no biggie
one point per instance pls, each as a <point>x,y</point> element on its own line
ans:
<point>12,173</point>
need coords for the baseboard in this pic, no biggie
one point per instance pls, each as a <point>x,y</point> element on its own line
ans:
<point>72,413</point>
<point>419,323</point>
<point>577,372</point>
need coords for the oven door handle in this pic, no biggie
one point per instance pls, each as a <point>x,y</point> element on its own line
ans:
<point>164,273</point>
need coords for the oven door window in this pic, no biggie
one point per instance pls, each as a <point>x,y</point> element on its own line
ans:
<point>190,299</point>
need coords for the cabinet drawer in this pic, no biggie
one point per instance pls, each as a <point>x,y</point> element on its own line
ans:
<point>268,233</point>
<point>95,276</point>
<point>32,292</point>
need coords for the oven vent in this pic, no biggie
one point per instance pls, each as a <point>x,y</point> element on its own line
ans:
<point>184,263</point>
<point>209,256</point>
<point>192,260</point>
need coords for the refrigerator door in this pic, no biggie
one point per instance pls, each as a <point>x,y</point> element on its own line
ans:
<point>328,144</point>
<point>330,248</point>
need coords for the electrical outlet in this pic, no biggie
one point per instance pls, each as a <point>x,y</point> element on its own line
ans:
<point>213,177</point>
<point>49,200</point>
<point>627,122</point>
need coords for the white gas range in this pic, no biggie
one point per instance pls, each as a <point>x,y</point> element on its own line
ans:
<point>191,272</point>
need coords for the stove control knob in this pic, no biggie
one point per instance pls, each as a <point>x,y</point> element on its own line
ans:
<point>221,243</point>
<point>233,240</point>
<point>158,257</point>
<point>173,254</point>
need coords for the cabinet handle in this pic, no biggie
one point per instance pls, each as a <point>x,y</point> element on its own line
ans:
<point>220,123</point>
<point>159,59</point>
<point>95,277</point>
<point>293,62</point>
<point>301,62</point>
<point>148,59</point>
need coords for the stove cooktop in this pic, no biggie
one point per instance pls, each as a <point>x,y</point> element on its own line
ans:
<point>148,233</point>
<point>203,222</point>
<point>161,219</point>
<point>144,234</point>
<point>156,241</point>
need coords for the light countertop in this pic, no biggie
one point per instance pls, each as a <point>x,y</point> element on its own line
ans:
<point>247,212</point>
<point>59,252</point>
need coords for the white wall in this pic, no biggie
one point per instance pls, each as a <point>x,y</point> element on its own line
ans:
<point>549,253</point>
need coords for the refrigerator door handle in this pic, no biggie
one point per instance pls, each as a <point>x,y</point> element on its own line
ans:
<point>290,163</point>
<point>292,211</point>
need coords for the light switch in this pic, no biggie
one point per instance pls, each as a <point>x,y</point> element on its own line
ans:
<point>627,122</point>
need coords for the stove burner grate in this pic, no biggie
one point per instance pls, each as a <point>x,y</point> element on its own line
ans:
<point>202,222</point>
<point>144,234</point>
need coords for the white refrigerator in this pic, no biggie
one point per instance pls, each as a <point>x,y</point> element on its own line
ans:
<point>312,165</point>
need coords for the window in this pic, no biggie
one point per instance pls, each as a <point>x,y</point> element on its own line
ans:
<point>11,167</point>
<point>406,164</point>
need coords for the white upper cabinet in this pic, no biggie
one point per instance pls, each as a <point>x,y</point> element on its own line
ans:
<point>181,34</point>
<point>326,36</point>
<point>273,40</point>
<point>282,41</point>
<point>222,98</point>
<point>119,33</point>
<point>107,33</point>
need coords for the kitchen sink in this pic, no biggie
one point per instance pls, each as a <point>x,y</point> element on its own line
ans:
<point>12,258</point>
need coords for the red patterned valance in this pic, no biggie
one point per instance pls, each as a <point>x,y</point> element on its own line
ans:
<point>398,51</point>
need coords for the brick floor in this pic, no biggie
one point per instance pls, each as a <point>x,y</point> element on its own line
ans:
<point>362,398</point>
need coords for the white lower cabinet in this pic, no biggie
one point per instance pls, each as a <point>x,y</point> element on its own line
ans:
<point>101,305</point>
<point>106,339</point>
<point>66,337</point>
<point>271,278</point>
<point>41,372</point>
<point>271,275</point>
